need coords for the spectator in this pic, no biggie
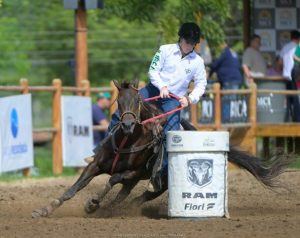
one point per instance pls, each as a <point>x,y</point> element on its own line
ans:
<point>296,68</point>
<point>287,55</point>
<point>99,116</point>
<point>277,68</point>
<point>254,64</point>
<point>204,51</point>
<point>228,69</point>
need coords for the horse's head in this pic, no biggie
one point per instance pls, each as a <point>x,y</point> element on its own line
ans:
<point>129,105</point>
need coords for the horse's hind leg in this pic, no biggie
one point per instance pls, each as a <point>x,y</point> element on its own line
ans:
<point>87,175</point>
<point>148,195</point>
<point>124,192</point>
<point>92,204</point>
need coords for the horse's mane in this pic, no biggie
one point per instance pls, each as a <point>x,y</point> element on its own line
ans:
<point>150,107</point>
<point>125,84</point>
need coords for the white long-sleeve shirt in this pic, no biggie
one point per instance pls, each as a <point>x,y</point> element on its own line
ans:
<point>287,53</point>
<point>169,69</point>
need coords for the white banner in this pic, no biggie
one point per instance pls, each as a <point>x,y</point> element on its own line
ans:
<point>197,184</point>
<point>197,173</point>
<point>77,130</point>
<point>16,144</point>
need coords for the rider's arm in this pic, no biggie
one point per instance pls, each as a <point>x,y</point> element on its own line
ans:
<point>155,68</point>
<point>199,83</point>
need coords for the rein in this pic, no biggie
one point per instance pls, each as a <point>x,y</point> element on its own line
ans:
<point>119,150</point>
<point>163,114</point>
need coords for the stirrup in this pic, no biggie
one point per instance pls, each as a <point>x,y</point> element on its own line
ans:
<point>89,160</point>
<point>154,184</point>
<point>152,187</point>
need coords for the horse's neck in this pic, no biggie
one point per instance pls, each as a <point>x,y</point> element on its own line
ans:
<point>149,111</point>
<point>137,134</point>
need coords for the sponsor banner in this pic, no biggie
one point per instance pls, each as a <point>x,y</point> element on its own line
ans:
<point>264,18</point>
<point>206,110</point>
<point>268,38</point>
<point>283,37</point>
<point>286,3</point>
<point>77,130</point>
<point>197,184</point>
<point>16,143</point>
<point>286,18</point>
<point>264,3</point>
<point>234,109</point>
<point>298,14</point>
<point>280,16</point>
<point>180,141</point>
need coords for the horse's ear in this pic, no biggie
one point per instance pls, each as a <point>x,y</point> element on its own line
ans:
<point>135,83</point>
<point>116,83</point>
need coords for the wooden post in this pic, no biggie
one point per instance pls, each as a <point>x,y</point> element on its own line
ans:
<point>279,144</point>
<point>25,90</point>
<point>252,104</point>
<point>266,147</point>
<point>217,92</point>
<point>246,22</point>
<point>57,142</point>
<point>85,84</point>
<point>290,145</point>
<point>297,143</point>
<point>193,110</point>
<point>81,44</point>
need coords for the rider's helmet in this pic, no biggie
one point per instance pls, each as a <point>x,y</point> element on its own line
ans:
<point>190,32</point>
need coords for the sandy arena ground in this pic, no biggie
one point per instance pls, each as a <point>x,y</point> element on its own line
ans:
<point>254,210</point>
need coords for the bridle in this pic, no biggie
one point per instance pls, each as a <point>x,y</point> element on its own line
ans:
<point>119,150</point>
<point>135,116</point>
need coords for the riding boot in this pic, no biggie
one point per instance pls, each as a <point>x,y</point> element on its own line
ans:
<point>155,182</point>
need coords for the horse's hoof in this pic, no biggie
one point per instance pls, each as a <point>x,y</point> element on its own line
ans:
<point>91,206</point>
<point>42,212</point>
<point>89,160</point>
<point>55,203</point>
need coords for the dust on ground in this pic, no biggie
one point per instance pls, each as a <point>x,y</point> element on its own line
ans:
<point>254,211</point>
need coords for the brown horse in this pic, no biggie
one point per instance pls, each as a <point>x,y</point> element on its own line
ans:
<point>136,146</point>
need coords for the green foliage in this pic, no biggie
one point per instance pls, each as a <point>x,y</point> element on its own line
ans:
<point>18,61</point>
<point>209,14</point>
<point>146,10</point>
<point>37,39</point>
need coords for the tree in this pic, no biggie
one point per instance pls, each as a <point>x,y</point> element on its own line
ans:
<point>38,39</point>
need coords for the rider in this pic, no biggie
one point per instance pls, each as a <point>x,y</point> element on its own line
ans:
<point>173,67</point>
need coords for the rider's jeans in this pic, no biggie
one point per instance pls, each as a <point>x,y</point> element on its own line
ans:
<point>165,104</point>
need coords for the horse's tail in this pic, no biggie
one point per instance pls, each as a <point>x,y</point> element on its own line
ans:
<point>264,170</point>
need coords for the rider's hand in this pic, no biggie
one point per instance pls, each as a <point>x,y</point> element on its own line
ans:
<point>185,101</point>
<point>164,92</point>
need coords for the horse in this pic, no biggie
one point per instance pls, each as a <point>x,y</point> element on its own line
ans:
<point>130,150</point>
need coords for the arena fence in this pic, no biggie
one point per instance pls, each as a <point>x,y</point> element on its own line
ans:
<point>247,128</point>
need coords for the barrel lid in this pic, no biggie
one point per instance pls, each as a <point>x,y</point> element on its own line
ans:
<point>193,141</point>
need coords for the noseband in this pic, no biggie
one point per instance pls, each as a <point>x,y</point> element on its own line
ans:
<point>130,113</point>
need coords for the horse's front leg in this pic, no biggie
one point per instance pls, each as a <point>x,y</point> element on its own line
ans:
<point>92,204</point>
<point>87,175</point>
